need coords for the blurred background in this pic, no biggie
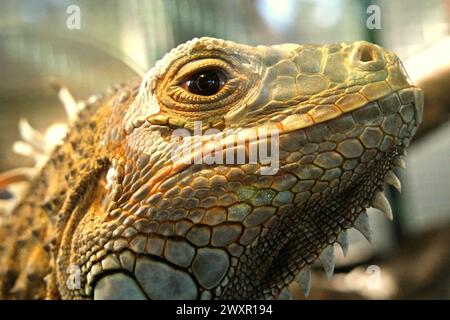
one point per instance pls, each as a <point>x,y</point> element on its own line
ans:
<point>119,40</point>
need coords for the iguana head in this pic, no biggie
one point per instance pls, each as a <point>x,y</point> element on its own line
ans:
<point>227,220</point>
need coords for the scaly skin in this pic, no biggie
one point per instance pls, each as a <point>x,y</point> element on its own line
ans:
<point>111,201</point>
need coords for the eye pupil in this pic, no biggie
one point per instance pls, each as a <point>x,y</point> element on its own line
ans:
<point>205,83</point>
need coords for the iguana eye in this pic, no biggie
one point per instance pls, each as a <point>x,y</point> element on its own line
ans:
<point>205,82</point>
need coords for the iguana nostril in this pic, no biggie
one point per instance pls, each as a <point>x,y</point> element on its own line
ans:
<point>367,55</point>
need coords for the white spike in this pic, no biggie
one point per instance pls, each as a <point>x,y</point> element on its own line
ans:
<point>392,179</point>
<point>380,202</point>
<point>69,103</point>
<point>54,135</point>
<point>36,144</point>
<point>304,280</point>
<point>362,225</point>
<point>32,136</point>
<point>327,260</point>
<point>400,162</point>
<point>23,149</point>
<point>27,150</point>
<point>343,242</point>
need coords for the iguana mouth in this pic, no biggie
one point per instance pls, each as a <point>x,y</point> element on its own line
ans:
<point>287,250</point>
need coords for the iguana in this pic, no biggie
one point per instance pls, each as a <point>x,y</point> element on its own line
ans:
<point>111,215</point>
